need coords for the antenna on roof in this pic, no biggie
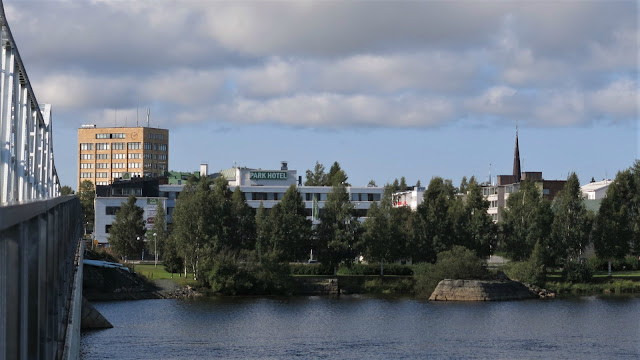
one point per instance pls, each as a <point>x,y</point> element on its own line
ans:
<point>137,106</point>
<point>148,116</point>
<point>490,178</point>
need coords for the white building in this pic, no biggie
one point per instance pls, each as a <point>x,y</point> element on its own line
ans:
<point>411,198</point>
<point>595,190</point>
<point>105,213</point>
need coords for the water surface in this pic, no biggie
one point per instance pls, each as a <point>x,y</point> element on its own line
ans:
<point>359,327</point>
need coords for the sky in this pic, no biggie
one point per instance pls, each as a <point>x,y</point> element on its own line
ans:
<point>388,89</point>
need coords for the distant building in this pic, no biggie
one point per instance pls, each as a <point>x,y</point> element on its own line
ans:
<point>106,154</point>
<point>595,190</point>
<point>411,198</point>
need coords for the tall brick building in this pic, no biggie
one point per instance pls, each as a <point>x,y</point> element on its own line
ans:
<point>105,154</point>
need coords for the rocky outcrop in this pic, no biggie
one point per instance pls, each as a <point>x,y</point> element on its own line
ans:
<point>481,290</point>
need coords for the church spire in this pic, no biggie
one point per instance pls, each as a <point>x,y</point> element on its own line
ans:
<point>517,172</point>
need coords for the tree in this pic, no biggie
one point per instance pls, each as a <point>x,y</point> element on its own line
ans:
<point>338,228</point>
<point>317,177</point>
<point>171,260</point>
<point>403,184</point>
<point>87,195</point>
<point>418,184</point>
<point>527,220</point>
<point>66,190</point>
<point>435,212</point>
<point>571,225</point>
<point>290,230</point>
<point>244,222</point>
<point>372,183</point>
<point>159,229</point>
<point>463,186</point>
<point>126,236</point>
<point>482,230</point>
<point>336,176</point>
<point>263,232</point>
<point>614,226</point>
<point>395,185</point>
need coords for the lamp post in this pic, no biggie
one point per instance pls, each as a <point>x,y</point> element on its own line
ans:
<point>138,238</point>
<point>155,248</point>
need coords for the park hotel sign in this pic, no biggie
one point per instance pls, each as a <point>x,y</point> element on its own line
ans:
<point>268,175</point>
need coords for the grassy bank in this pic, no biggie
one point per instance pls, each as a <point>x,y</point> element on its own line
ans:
<point>151,272</point>
<point>615,286</point>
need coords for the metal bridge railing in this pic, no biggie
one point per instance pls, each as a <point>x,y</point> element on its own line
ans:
<point>27,169</point>
<point>38,247</point>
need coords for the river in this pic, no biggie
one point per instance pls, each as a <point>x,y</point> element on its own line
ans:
<point>360,327</point>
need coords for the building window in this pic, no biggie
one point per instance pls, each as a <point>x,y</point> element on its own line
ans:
<point>147,156</point>
<point>86,146</point>
<point>103,136</point>
<point>148,146</point>
<point>133,156</point>
<point>545,191</point>
<point>259,196</point>
<point>134,165</point>
<point>118,136</point>
<point>102,166</point>
<point>134,174</point>
<point>162,166</point>
<point>162,147</point>
<point>102,146</point>
<point>118,165</point>
<point>156,136</point>
<point>86,166</point>
<point>134,146</point>
<point>117,146</point>
<point>107,228</point>
<point>86,175</point>
<point>116,175</point>
<point>102,182</point>
<point>147,165</point>
<point>101,175</point>
<point>119,156</point>
<point>86,156</point>
<point>102,156</point>
<point>162,157</point>
<point>126,191</point>
<point>111,210</point>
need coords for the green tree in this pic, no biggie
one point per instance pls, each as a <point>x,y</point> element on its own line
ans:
<point>290,230</point>
<point>338,228</point>
<point>571,226</point>
<point>87,195</point>
<point>527,220</point>
<point>403,184</point>
<point>336,176</point>
<point>614,226</point>
<point>418,184</point>
<point>483,231</point>
<point>395,185</point>
<point>244,222</point>
<point>463,186</point>
<point>317,177</point>
<point>66,190</point>
<point>372,183</point>
<point>438,199</point>
<point>126,236</point>
<point>159,233</point>
<point>263,232</point>
<point>171,260</point>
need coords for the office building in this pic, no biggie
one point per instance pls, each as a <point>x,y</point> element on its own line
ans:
<point>106,154</point>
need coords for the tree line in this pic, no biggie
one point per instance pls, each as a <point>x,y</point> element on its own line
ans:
<point>224,243</point>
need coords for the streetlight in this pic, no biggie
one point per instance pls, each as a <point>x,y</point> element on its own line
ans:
<point>155,248</point>
<point>138,238</point>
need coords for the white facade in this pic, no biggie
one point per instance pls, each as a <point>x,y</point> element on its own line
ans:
<point>410,198</point>
<point>595,190</point>
<point>106,207</point>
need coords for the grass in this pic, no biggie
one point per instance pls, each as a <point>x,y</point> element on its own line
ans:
<point>155,273</point>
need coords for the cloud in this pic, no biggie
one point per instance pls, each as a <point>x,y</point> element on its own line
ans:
<point>333,64</point>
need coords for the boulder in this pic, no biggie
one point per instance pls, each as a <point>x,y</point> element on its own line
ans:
<point>481,290</point>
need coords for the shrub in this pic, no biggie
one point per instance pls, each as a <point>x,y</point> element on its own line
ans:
<point>575,272</point>
<point>628,263</point>
<point>374,269</point>
<point>526,272</point>
<point>236,275</point>
<point>310,269</point>
<point>457,263</point>
<point>99,254</point>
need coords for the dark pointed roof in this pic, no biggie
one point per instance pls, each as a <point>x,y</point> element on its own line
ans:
<point>516,161</point>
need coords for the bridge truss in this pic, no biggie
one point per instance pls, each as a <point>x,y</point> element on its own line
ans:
<point>27,170</point>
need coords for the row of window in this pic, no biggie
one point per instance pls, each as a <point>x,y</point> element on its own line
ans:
<point>86,166</point>
<point>155,147</point>
<point>131,191</point>
<point>86,156</point>
<point>110,136</point>
<point>156,136</point>
<point>493,204</point>
<point>161,157</point>
<point>86,175</point>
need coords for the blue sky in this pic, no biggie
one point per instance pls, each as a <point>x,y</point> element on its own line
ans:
<point>388,89</point>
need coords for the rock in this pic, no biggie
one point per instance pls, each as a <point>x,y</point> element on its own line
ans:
<point>480,290</point>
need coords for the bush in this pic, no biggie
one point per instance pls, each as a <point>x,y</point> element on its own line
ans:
<point>458,263</point>
<point>236,275</point>
<point>575,272</point>
<point>527,272</point>
<point>99,254</point>
<point>374,269</point>
<point>310,269</point>
<point>628,263</point>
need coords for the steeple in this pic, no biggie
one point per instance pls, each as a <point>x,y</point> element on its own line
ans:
<point>517,172</point>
